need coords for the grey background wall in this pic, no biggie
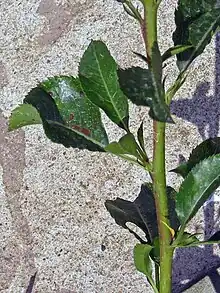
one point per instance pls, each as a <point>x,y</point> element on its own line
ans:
<point>52,215</point>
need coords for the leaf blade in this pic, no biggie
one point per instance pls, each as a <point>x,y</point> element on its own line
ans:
<point>143,88</point>
<point>137,85</point>
<point>142,259</point>
<point>207,148</point>
<point>23,115</point>
<point>126,145</point>
<point>201,181</point>
<point>98,76</point>
<point>196,22</point>
<point>142,211</point>
<point>76,109</point>
<point>69,118</point>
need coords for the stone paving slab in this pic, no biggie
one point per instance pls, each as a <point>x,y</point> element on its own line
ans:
<point>52,215</point>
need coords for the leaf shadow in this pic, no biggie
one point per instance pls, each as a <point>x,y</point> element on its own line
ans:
<point>193,264</point>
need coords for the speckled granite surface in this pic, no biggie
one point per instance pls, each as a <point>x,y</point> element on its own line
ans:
<point>52,215</point>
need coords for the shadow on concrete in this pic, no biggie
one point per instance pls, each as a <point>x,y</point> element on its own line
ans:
<point>203,110</point>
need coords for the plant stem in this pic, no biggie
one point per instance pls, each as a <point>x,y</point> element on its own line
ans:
<point>149,28</point>
<point>159,173</point>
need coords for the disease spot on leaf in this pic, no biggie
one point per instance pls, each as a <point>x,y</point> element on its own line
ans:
<point>85,131</point>
<point>81,129</point>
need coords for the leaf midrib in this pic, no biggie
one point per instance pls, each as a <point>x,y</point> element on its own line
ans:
<point>106,87</point>
<point>89,138</point>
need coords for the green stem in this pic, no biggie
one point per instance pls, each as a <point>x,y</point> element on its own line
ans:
<point>159,173</point>
<point>149,28</point>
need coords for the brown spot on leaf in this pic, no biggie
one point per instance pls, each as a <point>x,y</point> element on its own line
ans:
<point>58,17</point>
<point>85,131</point>
<point>3,75</point>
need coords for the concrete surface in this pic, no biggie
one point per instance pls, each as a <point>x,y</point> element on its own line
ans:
<point>203,286</point>
<point>52,215</point>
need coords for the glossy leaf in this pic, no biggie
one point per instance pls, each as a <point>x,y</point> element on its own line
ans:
<point>137,85</point>
<point>78,112</point>
<point>199,184</point>
<point>196,22</point>
<point>193,8</point>
<point>126,145</point>
<point>143,88</point>
<point>23,115</point>
<point>204,150</point>
<point>204,27</point>
<point>69,117</point>
<point>98,76</point>
<point>142,212</point>
<point>142,259</point>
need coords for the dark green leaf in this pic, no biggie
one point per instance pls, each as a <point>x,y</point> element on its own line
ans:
<point>144,88</point>
<point>98,76</point>
<point>204,27</point>
<point>126,145</point>
<point>69,117</point>
<point>196,22</point>
<point>59,133</point>
<point>23,115</point>
<point>78,112</point>
<point>204,150</point>
<point>193,8</point>
<point>142,259</point>
<point>200,183</point>
<point>181,169</point>
<point>137,85</point>
<point>159,109</point>
<point>142,211</point>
